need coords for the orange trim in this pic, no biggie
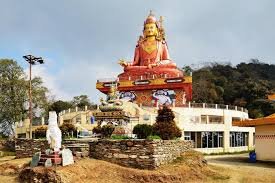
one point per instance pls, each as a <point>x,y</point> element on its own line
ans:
<point>256,122</point>
<point>271,97</point>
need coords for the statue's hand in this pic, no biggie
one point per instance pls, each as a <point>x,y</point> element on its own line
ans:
<point>150,66</point>
<point>122,63</point>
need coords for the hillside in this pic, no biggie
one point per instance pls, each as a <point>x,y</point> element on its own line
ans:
<point>246,85</point>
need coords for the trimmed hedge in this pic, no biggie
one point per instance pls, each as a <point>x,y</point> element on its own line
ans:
<point>143,131</point>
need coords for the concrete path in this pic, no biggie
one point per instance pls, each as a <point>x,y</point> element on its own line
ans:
<point>239,169</point>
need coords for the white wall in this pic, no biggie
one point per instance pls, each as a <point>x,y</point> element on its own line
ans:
<point>265,142</point>
<point>189,120</point>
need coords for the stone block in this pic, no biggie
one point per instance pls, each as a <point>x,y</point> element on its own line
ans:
<point>78,154</point>
<point>132,156</point>
<point>123,156</point>
<point>144,157</point>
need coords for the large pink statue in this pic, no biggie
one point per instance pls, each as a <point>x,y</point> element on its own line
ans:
<point>151,54</point>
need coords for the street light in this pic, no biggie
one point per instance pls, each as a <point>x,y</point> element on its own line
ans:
<point>32,60</point>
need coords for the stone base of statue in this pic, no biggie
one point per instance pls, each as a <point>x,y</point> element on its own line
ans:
<point>152,90</point>
<point>55,158</point>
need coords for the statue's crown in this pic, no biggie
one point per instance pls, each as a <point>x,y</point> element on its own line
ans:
<point>150,19</point>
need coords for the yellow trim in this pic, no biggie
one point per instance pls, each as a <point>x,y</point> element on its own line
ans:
<point>271,97</point>
<point>99,85</point>
<point>187,79</point>
<point>126,83</point>
<point>158,81</point>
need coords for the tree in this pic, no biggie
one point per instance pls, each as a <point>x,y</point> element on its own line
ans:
<point>40,132</point>
<point>242,85</point>
<point>165,126</point>
<point>187,70</point>
<point>59,106</point>
<point>81,101</point>
<point>14,95</point>
<point>67,128</point>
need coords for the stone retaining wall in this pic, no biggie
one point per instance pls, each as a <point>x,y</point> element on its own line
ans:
<point>144,154</point>
<point>7,145</point>
<point>27,147</point>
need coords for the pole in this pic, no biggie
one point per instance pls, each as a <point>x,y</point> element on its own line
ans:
<point>30,98</point>
<point>31,60</point>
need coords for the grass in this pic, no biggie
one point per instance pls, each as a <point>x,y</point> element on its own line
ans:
<point>120,137</point>
<point>6,153</point>
<point>153,137</point>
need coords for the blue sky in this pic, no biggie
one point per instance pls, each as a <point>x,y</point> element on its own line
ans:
<point>82,41</point>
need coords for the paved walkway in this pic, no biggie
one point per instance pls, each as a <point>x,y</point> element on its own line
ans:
<point>239,168</point>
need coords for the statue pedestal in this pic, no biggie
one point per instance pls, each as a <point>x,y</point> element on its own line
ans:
<point>153,91</point>
<point>55,157</point>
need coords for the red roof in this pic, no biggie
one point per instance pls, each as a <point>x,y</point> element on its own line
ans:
<point>269,120</point>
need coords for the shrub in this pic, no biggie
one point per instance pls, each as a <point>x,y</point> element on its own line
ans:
<point>119,137</point>
<point>67,128</point>
<point>143,131</point>
<point>153,137</point>
<point>120,130</point>
<point>165,126</point>
<point>40,132</point>
<point>97,129</point>
<point>107,130</point>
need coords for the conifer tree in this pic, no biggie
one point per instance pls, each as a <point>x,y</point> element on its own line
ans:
<point>165,126</point>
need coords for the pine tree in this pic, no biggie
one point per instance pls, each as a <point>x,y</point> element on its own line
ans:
<point>165,126</point>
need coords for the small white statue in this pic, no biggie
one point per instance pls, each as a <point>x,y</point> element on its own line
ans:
<point>53,132</point>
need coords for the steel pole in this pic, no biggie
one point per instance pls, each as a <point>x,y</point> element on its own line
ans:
<point>30,98</point>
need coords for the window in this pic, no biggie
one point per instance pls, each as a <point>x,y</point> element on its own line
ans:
<point>212,139</point>
<point>203,119</point>
<point>215,119</point>
<point>187,135</point>
<point>238,139</point>
<point>205,139</point>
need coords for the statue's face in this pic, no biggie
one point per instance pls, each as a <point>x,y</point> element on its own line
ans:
<point>150,30</point>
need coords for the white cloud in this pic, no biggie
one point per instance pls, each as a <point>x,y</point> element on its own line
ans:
<point>82,41</point>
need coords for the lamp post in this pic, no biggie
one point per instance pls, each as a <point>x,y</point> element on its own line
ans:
<point>32,60</point>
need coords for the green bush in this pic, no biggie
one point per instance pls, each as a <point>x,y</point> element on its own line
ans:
<point>165,126</point>
<point>40,132</point>
<point>107,130</point>
<point>119,137</point>
<point>143,131</point>
<point>153,137</point>
<point>67,128</point>
<point>97,129</point>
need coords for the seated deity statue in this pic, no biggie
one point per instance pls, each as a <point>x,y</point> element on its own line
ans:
<point>151,53</point>
<point>112,103</point>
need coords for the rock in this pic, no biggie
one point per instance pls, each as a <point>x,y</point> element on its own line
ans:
<point>67,157</point>
<point>123,156</point>
<point>78,154</point>
<point>39,174</point>
<point>133,156</point>
<point>35,159</point>
<point>48,163</point>
<point>130,143</point>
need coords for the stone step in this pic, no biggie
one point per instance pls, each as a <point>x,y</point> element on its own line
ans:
<point>50,156</point>
<point>54,160</point>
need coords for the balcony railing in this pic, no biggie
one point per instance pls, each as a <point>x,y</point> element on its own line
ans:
<point>137,78</point>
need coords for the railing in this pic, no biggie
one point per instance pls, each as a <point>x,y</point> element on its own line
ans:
<point>209,106</point>
<point>187,105</point>
<point>105,80</point>
<point>76,109</point>
<point>137,78</point>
